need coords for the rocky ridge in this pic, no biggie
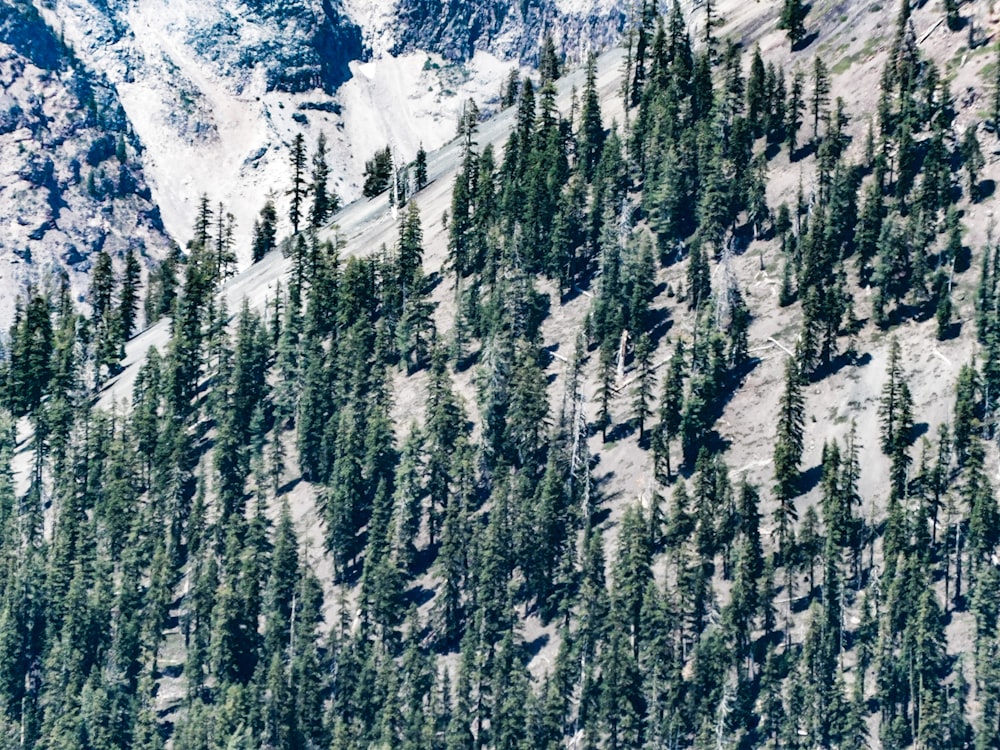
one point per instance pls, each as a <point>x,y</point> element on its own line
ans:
<point>73,181</point>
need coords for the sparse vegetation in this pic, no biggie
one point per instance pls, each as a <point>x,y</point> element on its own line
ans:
<point>769,573</point>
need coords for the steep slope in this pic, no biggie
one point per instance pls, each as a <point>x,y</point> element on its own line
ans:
<point>72,175</point>
<point>231,83</point>
<point>365,225</point>
<point>818,609</point>
<point>510,30</point>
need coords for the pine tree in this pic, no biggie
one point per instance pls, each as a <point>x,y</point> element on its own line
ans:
<point>128,304</point>
<point>671,400</point>
<point>102,285</point>
<point>590,135</point>
<point>699,278</point>
<point>549,65</point>
<point>952,16</point>
<point>420,169</point>
<point>892,405</point>
<point>30,370</point>
<point>161,290</point>
<point>788,448</point>
<point>643,393</point>
<point>821,95</point>
<point>299,188</point>
<point>265,232</point>
<point>794,110</point>
<point>757,94</point>
<point>793,14</point>
<point>378,173</point>
<point>323,203</point>
<point>967,412</point>
<point>606,390</point>
<point>972,160</point>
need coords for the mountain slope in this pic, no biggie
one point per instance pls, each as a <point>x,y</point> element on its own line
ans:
<point>229,83</point>
<point>665,425</point>
<point>73,181</point>
<point>232,83</point>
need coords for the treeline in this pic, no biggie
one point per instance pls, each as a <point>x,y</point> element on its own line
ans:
<point>163,531</point>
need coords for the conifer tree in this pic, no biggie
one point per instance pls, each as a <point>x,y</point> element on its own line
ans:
<point>757,93</point>
<point>264,238</point>
<point>793,13</point>
<point>793,112</point>
<point>590,136</point>
<point>952,17</point>
<point>102,285</point>
<point>643,392</point>
<point>323,203</point>
<point>420,169</point>
<point>128,304</point>
<point>699,278</point>
<point>378,173</point>
<point>549,64</point>
<point>606,390</point>
<point>671,400</point>
<point>972,159</point>
<point>967,412</point>
<point>893,404</point>
<point>298,190</point>
<point>30,369</point>
<point>788,448</point>
<point>821,95</point>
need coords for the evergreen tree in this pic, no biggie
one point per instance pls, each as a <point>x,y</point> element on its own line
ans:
<point>972,160</point>
<point>590,134</point>
<point>643,392</point>
<point>378,173</point>
<point>549,65</point>
<point>129,302</point>
<point>895,404</point>
<point>299,188</point>
<point>793,112</point>
<point>324,203</point>
<point>30,370</point>
<point>952,16</point>
<point>793,14</point>
<point>821,95</point>
<point>788,449</point>
<point>265,232</point>
<point>420,169</point>
<point>671,400</point>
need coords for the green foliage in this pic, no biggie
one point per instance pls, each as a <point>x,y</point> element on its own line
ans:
<point>378,173</point>
<point>170,550</point>
<point>420,169</point>
<point>265,232</point>
<point>793,14</point>
<point>324,203</point>
<point>788,447</point>
<point>297,192</point>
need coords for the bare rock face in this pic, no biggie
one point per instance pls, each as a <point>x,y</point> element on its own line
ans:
<point>457,28</point>
<point>302,45</point>
<point>71,180</point>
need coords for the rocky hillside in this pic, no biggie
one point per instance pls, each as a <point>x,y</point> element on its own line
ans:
<point>227,83</point>
<point>660,413</point>
<point>456,30</point>
<point>73,181</point>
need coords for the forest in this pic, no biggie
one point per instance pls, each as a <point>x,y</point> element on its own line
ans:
<point>155,547</point>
